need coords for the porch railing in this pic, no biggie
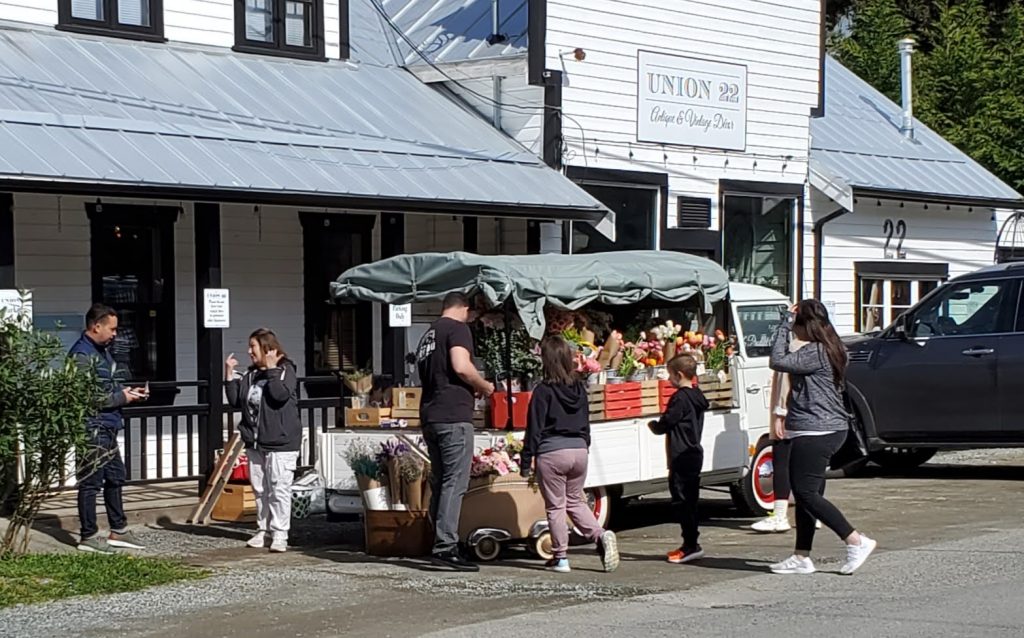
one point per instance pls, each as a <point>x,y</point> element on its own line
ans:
<point>161,442</point>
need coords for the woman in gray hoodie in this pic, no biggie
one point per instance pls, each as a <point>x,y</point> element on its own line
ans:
<point>268,397</point>
<point>816,426</point>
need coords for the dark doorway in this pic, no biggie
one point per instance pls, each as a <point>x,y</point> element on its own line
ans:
<point>132,257</point>
<point>338,337</point>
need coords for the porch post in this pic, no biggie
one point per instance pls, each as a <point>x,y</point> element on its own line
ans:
<point>392,243</point>
<point>209,341</point>
<point>7,278</point>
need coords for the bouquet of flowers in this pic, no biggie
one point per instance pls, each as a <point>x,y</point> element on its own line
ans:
<point>500,460</point>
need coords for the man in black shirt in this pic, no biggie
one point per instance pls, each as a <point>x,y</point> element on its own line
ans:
<point>450,381</point>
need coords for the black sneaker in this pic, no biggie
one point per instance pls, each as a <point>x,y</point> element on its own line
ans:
<point>454,561</point>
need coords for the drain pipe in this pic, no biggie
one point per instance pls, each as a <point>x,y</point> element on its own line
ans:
<point>819,244</point>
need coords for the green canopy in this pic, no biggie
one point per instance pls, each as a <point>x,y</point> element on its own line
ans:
<point>532,281</point>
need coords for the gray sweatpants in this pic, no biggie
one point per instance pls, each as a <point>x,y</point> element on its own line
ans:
<point>450,446</point>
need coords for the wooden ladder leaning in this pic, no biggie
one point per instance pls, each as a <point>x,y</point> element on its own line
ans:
<point>221,472</point>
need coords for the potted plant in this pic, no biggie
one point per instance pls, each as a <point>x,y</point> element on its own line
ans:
<point>361,456</point>
<point>359,382</point>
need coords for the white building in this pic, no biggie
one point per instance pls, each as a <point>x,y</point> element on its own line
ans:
<point>150,150</point>
<point>769,195</point>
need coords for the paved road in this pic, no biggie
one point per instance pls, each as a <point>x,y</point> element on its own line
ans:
<point>949,564</point>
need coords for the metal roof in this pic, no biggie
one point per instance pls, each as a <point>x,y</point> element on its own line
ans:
<point>858,145</point>
<point>457,30</point>
<point>164,117</point>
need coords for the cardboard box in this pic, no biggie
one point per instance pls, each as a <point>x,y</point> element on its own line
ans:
<point>366,417</point>
<point>237,503</point>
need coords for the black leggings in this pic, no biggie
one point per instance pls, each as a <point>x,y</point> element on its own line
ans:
<point>809,458</point>
<point>780,469</point>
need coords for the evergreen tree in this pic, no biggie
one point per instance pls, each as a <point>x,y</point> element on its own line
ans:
<point>870,48</point>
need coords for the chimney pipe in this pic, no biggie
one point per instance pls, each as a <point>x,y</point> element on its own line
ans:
<point>496,36</point>
<point>906,47</point>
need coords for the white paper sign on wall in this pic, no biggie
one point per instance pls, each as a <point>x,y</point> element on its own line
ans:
<point>17,303</point>
<point>400,315</point>
<point>216,308</point>
<point>691,102</point>
<point>830,306</point>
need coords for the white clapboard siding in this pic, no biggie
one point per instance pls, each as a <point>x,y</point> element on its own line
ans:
<point>962,238</point>
<point>777,41</point>
<point>42,12</point>
<point>522,106</point>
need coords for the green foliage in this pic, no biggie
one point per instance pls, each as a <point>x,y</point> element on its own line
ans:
<point>45,400</point>
<point>491,345</point>
<point>41,577</point>
<point>969,70</point>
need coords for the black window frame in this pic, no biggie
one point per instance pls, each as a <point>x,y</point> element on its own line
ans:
<point>110,26</point>
<point>278,47</point>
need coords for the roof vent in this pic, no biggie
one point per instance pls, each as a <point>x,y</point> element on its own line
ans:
<point>693,212</point>
<point>906,88</point>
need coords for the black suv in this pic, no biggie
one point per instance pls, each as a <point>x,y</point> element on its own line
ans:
<point>948,373</point>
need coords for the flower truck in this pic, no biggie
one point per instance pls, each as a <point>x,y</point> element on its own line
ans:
<point>626,313</point>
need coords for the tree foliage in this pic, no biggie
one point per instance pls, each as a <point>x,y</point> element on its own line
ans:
<point>968,69</point>
<point>45,399</point>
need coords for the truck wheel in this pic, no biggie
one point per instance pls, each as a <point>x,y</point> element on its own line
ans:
<point>754,494</point>
<point>902,459</point>
<point>602,503</point>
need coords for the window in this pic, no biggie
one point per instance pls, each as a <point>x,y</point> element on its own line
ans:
<point>132,250</point>
<point>970,308</point>
<point>291,28</point>
<point>887,289</point>
<point>758,324</point>
<point>634,209</point>
<point>139,19</point>
<point>758,243</point>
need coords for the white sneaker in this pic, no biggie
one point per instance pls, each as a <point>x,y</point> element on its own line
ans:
<point>817,524</point>
<point>794,565</point>
<point>771,525</point>
<point>279,545</point>
<point>857,554</point>
<point>258,541</point>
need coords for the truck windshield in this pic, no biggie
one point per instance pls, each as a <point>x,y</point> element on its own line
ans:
<point>758,324</point>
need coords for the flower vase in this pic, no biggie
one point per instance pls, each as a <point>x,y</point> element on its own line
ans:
<point>413,494</point>
<point>394,481</point>
<point>377,499</point>
<point>614,378</point>
<point>366,483</point>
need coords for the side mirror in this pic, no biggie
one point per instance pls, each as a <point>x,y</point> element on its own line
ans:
<point>900,328</point>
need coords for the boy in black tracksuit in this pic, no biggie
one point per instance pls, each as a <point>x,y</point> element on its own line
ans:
<point>683,422</point>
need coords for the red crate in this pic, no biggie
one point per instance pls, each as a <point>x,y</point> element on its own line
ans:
<point>623,400</point>
<point>520,410</point>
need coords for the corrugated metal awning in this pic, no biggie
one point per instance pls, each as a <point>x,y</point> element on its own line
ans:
<point>858,148</point>
<point>87,114</point>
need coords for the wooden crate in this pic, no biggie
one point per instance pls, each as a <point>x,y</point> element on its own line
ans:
<point>595,396</point>
<point>406,399</point>
<point>719,393</point>
<point>366,417</point>
<point>623,400</point>
<point>397,533</point>
<point>650,398</point>
<point>237,503</point>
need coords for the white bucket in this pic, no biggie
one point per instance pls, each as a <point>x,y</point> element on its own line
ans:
<point>377,499</point>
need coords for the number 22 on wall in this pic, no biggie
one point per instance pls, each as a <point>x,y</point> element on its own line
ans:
<point>900,230</point>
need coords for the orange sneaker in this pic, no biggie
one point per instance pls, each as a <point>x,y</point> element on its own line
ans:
<point>679,556</point>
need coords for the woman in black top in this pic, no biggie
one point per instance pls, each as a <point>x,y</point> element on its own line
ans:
<point>558,436</point>
<point>267,395</point>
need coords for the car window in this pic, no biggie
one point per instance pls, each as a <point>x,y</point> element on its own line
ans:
<point>974,308</point>
<point>758,324</point>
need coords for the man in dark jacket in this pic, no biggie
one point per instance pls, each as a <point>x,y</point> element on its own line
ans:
<point>102,467</point>
<point>683,422</point>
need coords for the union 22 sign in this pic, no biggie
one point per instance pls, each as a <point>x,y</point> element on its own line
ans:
<point>691,102</point>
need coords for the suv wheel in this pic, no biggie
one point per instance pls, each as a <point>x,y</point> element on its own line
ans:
<point>902,459</point>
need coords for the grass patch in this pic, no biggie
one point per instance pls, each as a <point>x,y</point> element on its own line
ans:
<point>36,578</point>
